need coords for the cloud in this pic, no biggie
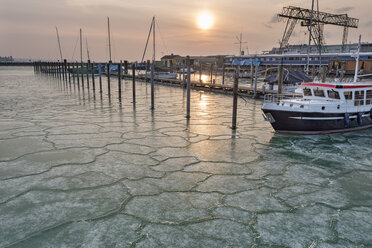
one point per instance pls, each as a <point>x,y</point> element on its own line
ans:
<point>267,26</point>
<point>344,10</point>
<point>368,24</point>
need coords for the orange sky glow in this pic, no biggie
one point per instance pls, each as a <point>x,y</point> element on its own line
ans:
<point>28,26</point>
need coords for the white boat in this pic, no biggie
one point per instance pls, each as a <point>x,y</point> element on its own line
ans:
<point>321,108</point>
<point>160,75</point>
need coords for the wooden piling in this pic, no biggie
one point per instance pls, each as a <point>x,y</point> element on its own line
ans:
<point>280,79</point>
<point>93,79</point>
<point>100,78</point>
<point>223,73</point>
<point>134,83</point>
<point>82,74</point>
<point>69,73</point>
<point>188,87</point>
<point>87,72</point>
<point>108,79</point>
<point>78,75</point>
<point>235,97</point>
<point>126,67</point>
<point>152,85</point>
<point>73,73</point>
<point>119,80</point>
<point>255,81</point>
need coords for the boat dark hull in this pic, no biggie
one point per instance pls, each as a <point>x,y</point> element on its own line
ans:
<point>317,123</point>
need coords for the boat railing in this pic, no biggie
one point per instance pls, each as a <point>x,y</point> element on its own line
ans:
<point>276,98</point>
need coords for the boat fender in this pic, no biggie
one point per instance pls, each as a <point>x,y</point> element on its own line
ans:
<point>359,118</point>
<point>346,119</point>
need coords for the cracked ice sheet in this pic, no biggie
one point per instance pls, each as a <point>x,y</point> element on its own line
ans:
<point>14,148</point>
<point>173,207</point>
<point>295,229</point>
<point>113,231</point>
<point>212,233</point>
<point>39,210</point>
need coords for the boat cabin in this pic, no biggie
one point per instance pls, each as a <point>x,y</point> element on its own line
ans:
<point>359,94</point>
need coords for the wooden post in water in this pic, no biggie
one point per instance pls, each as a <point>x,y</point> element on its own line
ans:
<point>200,72</point>
<point>211,72</point>
<point>108,78</point>
<point>235,99</point>
<point>93,79</point>
<point>78,75</point>
<point>65,69</point>
<point>280,80</point>
<point>223,73</point>
<point>134,83</point>
<point>152,85</point>
<point>255,81</point>
<point>119,80</point>
<point>324,74</point>
<point>60,70</point>
<point>188,87</point>
<point>69,73</point>
<point>100,78</point>
<point>82,74</point>
<point>87,72</point>
<point>73,73</point>
<point>126,67</point>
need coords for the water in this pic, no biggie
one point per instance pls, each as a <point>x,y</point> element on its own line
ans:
<point>81,170</point>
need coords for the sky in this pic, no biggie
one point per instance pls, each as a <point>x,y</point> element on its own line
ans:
<point>27,27</point>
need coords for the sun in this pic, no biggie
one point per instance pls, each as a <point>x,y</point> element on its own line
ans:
<point>205,20</point>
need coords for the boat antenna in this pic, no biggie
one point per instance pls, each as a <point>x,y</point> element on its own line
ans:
<point>109,38</point>
<point>81,47</point>
<point>147,42</point>
<point>59,45</point>
<point>308,47</point>
<point>357,60</point>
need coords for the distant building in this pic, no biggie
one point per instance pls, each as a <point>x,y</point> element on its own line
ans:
<point>177,61</point>
<point>170,61</point>
<point>302,49</point>
<point>6,59</point>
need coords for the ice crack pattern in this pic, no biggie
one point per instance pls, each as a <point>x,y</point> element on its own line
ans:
<point>80,169</point>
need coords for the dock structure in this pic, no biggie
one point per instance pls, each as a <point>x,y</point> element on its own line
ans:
<point>81,71</point>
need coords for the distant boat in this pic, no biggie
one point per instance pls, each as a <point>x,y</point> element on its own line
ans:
<point>160,75</point>
<point>184,70</point>
<point>292,79</point>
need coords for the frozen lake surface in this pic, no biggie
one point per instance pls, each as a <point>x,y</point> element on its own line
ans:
<point>81,170</point>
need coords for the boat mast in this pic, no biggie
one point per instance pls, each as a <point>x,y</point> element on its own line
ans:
<point>357,60</point>
<point>153,32</point>
<point>59,45</point>
<point>109,38</point>
<point>86,41</point>
<point>81,47</point>
<point>308,47</point>
<point>147,42</point>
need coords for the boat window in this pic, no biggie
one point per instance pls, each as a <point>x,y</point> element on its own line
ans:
<point>333,94</point>
<point>359,98</point>
<point>319,93</point>
<point>348,95</point>
<point>369,97</point>
<point>307,92</point>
